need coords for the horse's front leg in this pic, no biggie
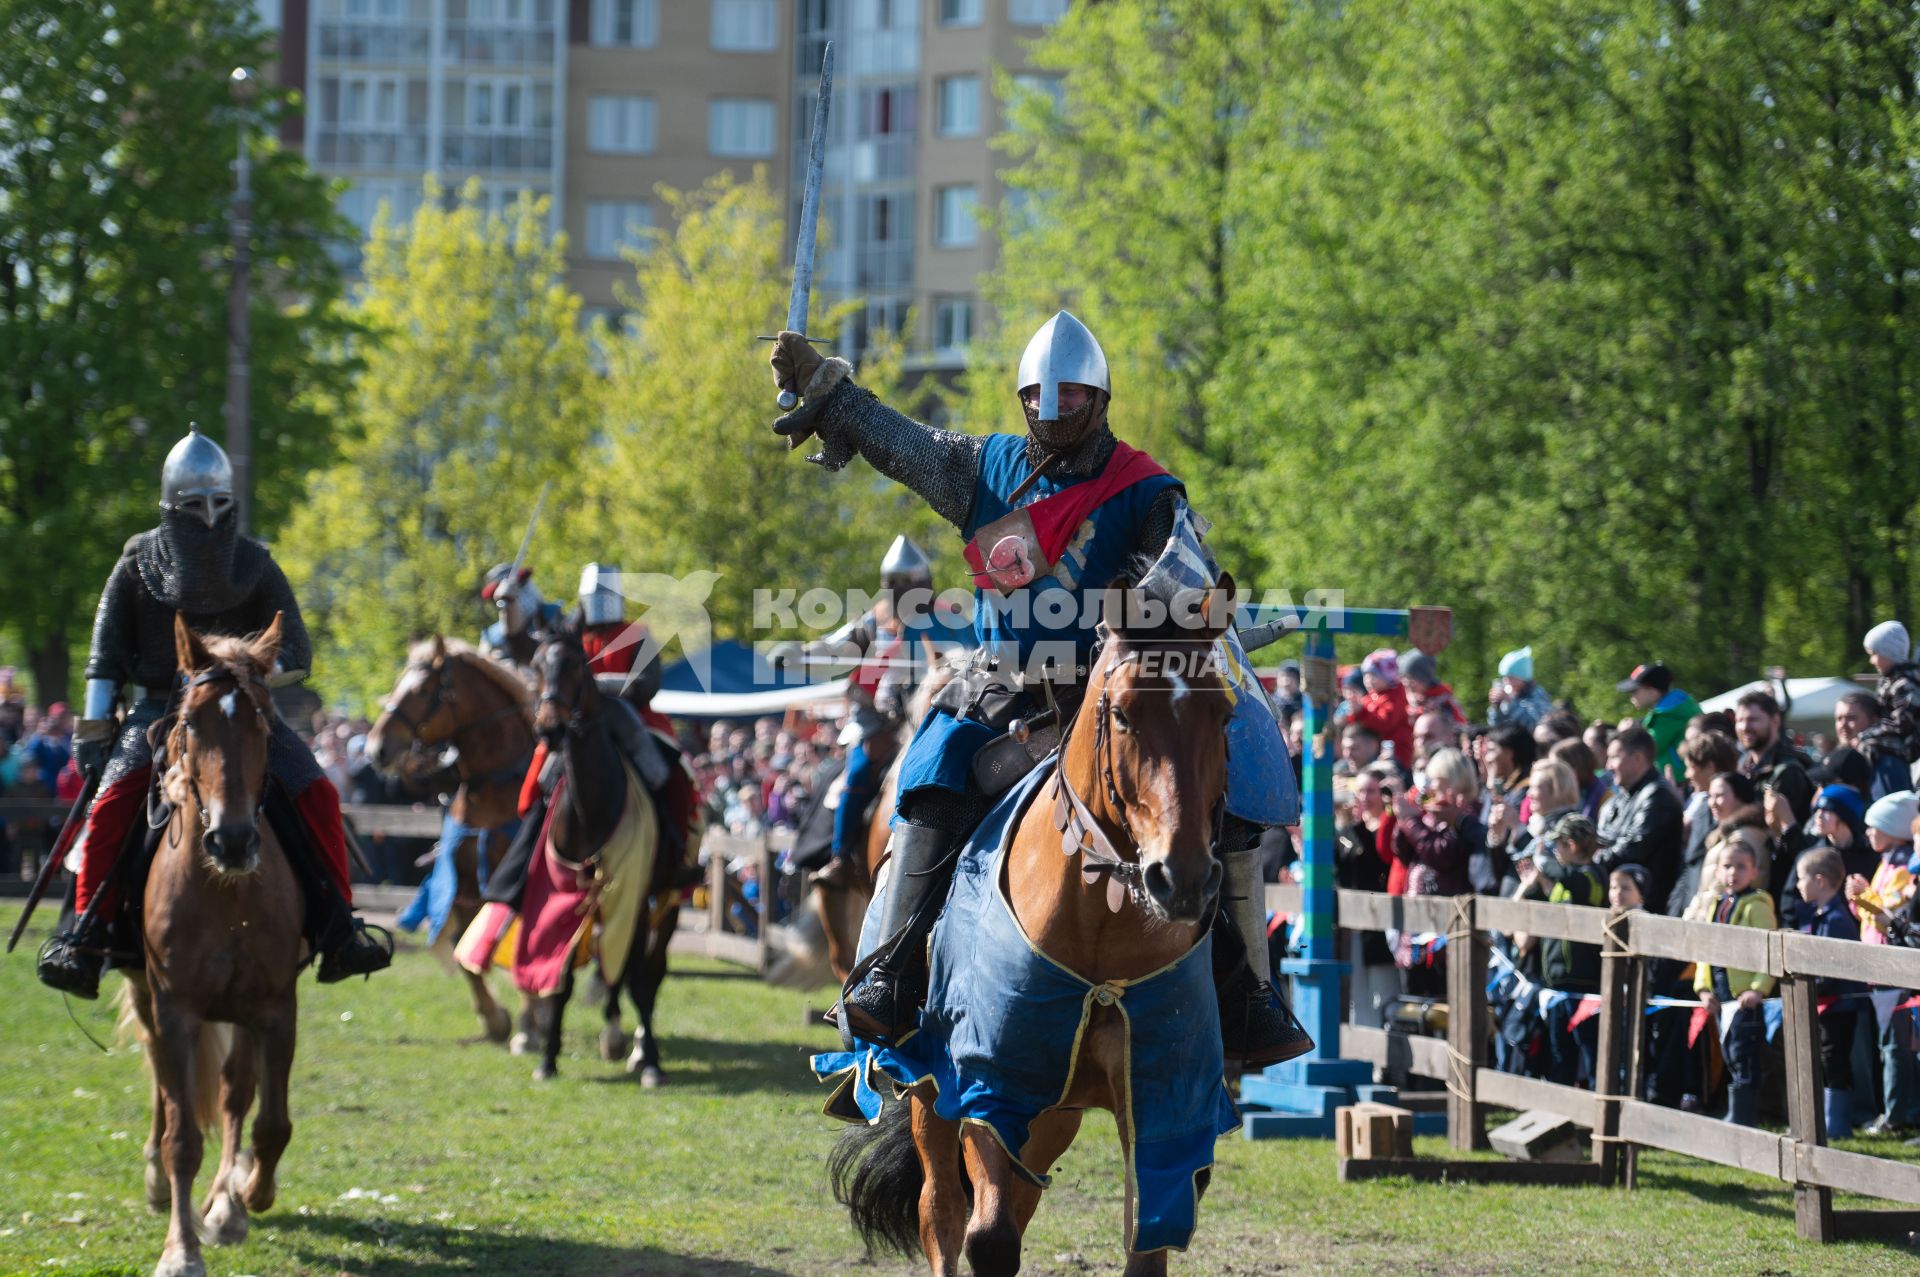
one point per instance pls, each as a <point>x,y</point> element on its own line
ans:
<point>993,1233</point>
<point>1152,1263</point>
<point>273,1124</point>
<point>531,1005</point>
<point>226,1215</point>
<point>174,1031</point>
<point>646,972</point>
<point>495,1021</point>
<point>554,1010</point>
<point>159,1194</point>
<point>1049,1136</point>
<point>943,1193</point>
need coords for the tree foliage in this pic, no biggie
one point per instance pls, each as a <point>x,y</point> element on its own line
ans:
<point>478,388</point>
<point>1591,322</point>
<point>116,137</point>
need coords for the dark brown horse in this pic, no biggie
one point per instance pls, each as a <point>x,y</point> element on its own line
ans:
<point>1145,757</point>
<point>222,914</point>
<point>594,798</point>
<point>450,698</point>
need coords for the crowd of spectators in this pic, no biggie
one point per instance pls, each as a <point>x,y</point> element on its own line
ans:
<point>1714,817</point>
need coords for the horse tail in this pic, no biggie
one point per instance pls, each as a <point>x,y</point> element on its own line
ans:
<point>210,1050</point>
<point>876,1174</point>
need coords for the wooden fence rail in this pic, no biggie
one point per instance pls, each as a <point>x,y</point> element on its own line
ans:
<point>1623,1124</point>
<point>706,933</point>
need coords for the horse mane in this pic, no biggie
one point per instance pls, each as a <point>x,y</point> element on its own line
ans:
<point>502,675</point>
<point>230,650</point>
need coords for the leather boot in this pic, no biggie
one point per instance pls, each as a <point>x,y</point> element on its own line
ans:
<point>352,951</point>
<point>1257,1028</point>
<point>837,876</point>
<point>881,1002</point>
<point>72,959</point>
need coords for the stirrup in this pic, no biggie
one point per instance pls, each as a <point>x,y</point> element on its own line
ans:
<point>361,953</point>
<point>837,876</point>
<point>71,961</point>
<point>880,1004</point>
<point>1258,1028</point>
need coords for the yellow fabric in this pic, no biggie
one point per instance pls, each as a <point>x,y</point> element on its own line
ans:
<point>625,871</point>
<point>1753,909</point>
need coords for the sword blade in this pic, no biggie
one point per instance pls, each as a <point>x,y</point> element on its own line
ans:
<point>526,538</point>
<point>76,817</point>
<point>803,247</point>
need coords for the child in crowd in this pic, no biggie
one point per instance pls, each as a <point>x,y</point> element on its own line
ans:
<point>1566,966</point>
<point>1890,824</point>
<point>1822,875</point>
<point>1741,904</point>
<point>1674,1069</point>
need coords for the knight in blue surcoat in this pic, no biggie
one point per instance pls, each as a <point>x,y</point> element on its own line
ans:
<point>1050,519</point>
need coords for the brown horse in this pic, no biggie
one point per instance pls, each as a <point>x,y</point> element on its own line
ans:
<point>222,912</point>
<point>1145,762</point>
<point>451,698</point>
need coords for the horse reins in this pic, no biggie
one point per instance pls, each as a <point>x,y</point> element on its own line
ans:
<point>159,815</point>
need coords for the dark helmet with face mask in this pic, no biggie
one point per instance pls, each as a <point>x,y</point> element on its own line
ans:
<point>1063,352</point>
<point>198,542</point>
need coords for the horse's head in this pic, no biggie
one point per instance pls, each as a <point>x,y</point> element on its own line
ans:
<point>568,693</point>
<point>1155,721</point>
<point>217,749</point>
<point>418,714</point>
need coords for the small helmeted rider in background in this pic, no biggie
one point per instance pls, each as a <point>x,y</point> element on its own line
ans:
<point>1051,518</point>
<point>891,660</point>
<point>524,614</point>
<point>198,565</point>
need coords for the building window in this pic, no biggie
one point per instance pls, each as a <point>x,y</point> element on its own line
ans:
<point>959,105</point>
<point>615,225</point>
<point>740,128</point>
<point>1051,87</point>
<point>620,125</point>
<point>744,26</point>
<point>952,323</point>
<point>499,104</point>
<point>1036,13</point>
<point>953,225</point>
<point>516,13</point>
<point>959,13</point>
<point>631,24</point>
<point>368,102</point>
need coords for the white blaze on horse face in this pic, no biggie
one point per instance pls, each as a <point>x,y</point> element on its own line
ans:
<point>230,704</point>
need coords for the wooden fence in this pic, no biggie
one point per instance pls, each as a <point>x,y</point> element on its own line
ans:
<point>705,933</point>
<point>1624,1124</point>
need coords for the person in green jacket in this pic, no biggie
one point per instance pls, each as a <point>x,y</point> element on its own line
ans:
<point>1665,711</point>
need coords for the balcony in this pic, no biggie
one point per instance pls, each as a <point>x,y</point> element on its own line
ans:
<point>495,152</point>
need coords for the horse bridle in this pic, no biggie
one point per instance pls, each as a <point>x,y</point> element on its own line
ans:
<point>160,814</point>
<point>575,722</point>
<point>443,697</point>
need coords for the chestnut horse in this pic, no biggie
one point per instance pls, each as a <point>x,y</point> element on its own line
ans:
<point>571,717</point>
<point>1145,760</point>
<point>215,1005</point>
<point>451,699</point>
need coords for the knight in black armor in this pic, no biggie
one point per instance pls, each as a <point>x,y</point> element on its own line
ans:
<point>196,564</point>
<point>1066,507</point>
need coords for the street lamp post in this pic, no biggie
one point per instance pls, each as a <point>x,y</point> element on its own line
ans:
<point>244,85</point>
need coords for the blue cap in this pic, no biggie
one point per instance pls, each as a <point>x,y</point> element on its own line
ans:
<point>1841,798</point>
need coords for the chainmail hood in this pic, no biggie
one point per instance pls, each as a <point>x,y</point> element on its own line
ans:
<point>1085,458</point>
<point>197,569</point>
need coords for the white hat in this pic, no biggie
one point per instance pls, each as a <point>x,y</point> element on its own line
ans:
<point>1518,664</point>
<point>1893,815</point>
<point>1888,639</point>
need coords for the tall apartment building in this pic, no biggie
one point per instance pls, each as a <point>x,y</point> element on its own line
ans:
<point>595,103</point>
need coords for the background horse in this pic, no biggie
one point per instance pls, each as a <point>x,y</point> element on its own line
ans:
<point>1144,767</point>
<point>222,916</point>
<point>597,791</point>
<point>451,698</point>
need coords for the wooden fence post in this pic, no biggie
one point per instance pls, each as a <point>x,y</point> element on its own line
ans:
<point>764,863</point>
<point>1610,1054</point>
<point>1637,978</point>
<point>1468,1026</point>
<point>1806,1110</point>
<point>716,891</point>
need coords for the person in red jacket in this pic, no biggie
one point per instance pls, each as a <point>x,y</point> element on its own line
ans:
<point>1384,707</point>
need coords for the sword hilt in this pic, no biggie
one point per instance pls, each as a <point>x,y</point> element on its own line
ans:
<point>788,401</point>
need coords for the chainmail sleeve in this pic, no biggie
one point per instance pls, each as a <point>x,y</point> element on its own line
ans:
<point>940,466</point>
<point>1158,525</point>
<point>115,633</point>
<point>274,594</point>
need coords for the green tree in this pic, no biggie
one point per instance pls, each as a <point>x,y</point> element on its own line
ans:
<point>116,137</point>
<point>478,390</point>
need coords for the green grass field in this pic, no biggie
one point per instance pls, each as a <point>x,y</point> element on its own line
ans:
<point>419,1152</point>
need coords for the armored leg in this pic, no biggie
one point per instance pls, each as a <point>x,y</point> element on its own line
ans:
<point>1257,1028</point>
<point>73,958</point>
<point>881,1002</point>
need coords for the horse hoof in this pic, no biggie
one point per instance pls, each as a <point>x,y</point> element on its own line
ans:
<point>226,1222</point>
<point>545,1073</point>
<point>180,1264</point>
<point>499,1025</point>
<point>613,1042</point>
<point>520,1044</point>
<point>652,1077</point>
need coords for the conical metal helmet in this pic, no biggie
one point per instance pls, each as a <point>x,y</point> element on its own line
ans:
<point>600,599</point>
<point>1063,350</point>
<point>905,567</point>
<point>197,478</point>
